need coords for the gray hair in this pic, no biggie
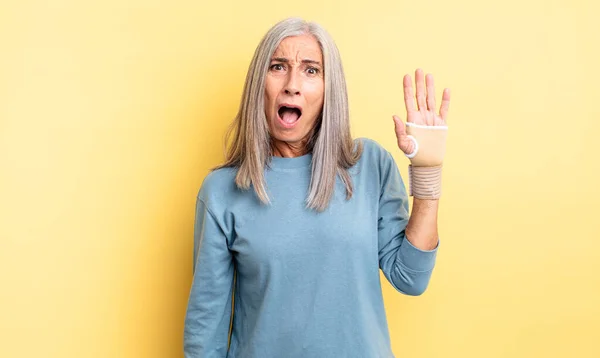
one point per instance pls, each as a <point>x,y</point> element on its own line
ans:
<point>330,142</point>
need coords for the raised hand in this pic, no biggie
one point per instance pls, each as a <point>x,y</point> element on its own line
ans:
<point>423,113</point>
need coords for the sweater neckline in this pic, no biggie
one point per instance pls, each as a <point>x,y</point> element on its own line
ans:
<point>281,163</point>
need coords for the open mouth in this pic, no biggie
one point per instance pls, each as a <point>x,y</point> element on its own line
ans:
<point>289,115</point>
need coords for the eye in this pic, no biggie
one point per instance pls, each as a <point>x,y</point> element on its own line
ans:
<point>312,70</point>
<point>277,67</point>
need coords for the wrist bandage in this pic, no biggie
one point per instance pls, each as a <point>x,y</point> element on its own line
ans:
<point>425,169</point>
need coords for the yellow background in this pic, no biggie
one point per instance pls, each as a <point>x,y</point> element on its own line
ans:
<point>112,112</point>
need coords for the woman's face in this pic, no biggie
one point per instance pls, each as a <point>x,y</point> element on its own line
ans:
<point>294,91</point>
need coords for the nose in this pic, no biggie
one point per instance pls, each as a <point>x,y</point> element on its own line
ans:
<point>292,87</point>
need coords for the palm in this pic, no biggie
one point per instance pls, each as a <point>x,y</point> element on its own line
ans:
<point>423,112</point>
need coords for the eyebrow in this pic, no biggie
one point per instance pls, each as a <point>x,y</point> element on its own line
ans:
<point>283,59</point>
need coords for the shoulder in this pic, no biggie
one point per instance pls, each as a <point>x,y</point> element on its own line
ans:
<point>373,152</point>
<point>217,186</point>
<point>378,162</point>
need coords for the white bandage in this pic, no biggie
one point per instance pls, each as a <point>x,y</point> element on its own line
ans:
<point>425,169</point>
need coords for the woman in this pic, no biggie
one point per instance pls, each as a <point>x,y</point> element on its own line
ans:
<point>305,216</point>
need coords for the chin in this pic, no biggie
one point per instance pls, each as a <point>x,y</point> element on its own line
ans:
<point>288,138</point>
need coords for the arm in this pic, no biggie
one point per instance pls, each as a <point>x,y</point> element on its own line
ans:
<point>206,328</point>
<point>422,226</point>
<point>428,128</point>
<point>423,141</point>
<point>406,263</point>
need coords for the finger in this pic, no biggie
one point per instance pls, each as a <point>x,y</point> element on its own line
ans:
<point>421,103</point>
<point>399,127</point>
<point>404,143</point>
<point>409,96</point>
<point>430,92</point>
<point>445,104</point>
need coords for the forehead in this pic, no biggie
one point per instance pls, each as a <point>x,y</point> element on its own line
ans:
<point>299,47</point>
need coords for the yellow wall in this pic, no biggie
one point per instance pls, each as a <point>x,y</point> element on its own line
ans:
<point>112,112</point>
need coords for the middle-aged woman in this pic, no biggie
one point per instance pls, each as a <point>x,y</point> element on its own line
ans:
<point>291,231</point>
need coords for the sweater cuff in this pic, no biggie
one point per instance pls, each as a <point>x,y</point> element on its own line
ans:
<point>417,259</point>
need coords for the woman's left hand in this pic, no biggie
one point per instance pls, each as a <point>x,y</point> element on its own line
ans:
<point>424,112</point>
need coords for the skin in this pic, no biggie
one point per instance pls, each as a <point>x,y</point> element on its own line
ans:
<point>295,76</point>
<point>421,229</point>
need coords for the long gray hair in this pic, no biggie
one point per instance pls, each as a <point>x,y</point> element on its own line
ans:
<point>330,141</point>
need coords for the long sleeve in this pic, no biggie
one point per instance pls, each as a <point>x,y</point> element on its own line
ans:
<point>206,329</point>
<point>405,266</point>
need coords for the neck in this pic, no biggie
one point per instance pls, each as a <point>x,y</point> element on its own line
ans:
<point>288,150</point>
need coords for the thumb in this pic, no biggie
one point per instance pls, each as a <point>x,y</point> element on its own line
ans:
<point>404,143</point>
<point>400,127</point>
